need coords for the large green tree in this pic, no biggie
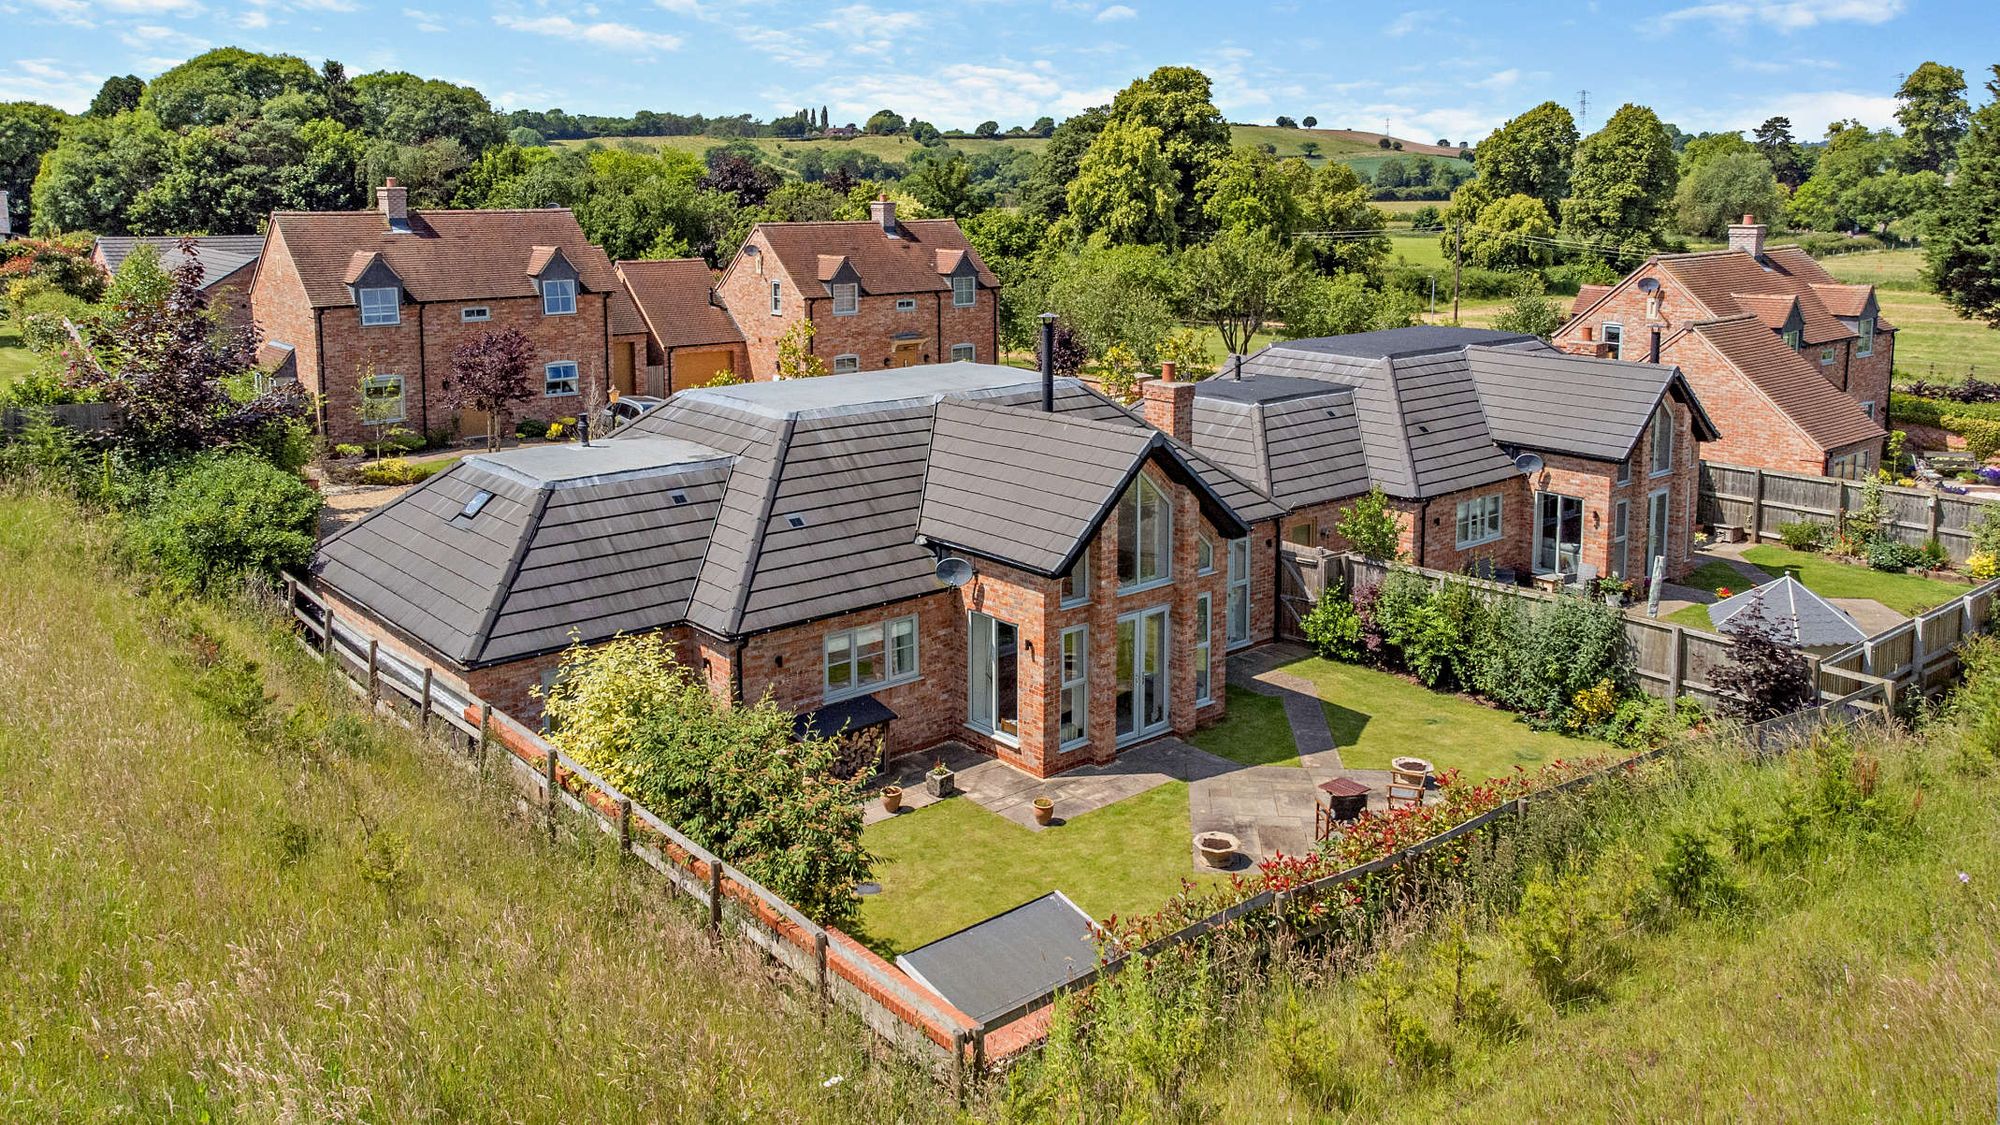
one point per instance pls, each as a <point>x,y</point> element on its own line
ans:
<point>1511,233</point>
<point>27,130</point>
<point>945,188</point>
<point>118,94</point>
<point>1124,189</point>
<point>91,179</point>
<point>1962,249</point>
<point>1933,112</point>
<point>1859,182</point>
<point>1788,161</point>
<point>406,110</point>
<point>222,85</point>
<point>218,179</point>
<point>1722,188</point>
<point>1237,282</point>
<point>1046,194</point>
<point>1011,244</point>
<point>1529,155</point>
<point>1623,181</point>
<point>1193,134</point>
<point>1115,295</point>
<point>1250,189</point>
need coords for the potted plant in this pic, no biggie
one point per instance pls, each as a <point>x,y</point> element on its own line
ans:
<point>892,798</point>
<point>1045,810</point>
<point>940,782</point>
<point>1614,590</point>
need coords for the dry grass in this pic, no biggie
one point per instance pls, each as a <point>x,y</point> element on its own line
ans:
<point>192,929</point>
<point>1932,341</point>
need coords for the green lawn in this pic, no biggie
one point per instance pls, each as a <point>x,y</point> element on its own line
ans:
<point>1376,716</point>
<point>15,360</point>
<point>945,867</point>
<point>1904,593</point>
<point>1690,617</point>
<point>1255,732</point>
<point>1932,342</point>
<point>1712,576</point>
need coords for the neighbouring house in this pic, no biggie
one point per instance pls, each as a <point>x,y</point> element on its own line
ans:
<point>228,262</point>
<point>1498,454</point>
<point>1795,361</point>
<point>690,337</point>
<point>371,304</point>
<point>958,551</point>
<point>883,292</point>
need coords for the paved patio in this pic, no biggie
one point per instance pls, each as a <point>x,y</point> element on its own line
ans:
<point>1000,788</point>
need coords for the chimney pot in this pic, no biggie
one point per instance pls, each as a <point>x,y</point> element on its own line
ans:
<point>1168,406</point>
<point>1167,372</point>
<point>1748,236</point>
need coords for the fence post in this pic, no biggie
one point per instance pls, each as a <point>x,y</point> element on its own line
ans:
<point>1756,506</point>
<point>819,963</point>
<point>1934,521</point>
<point>485,732</point>
<point>326,629</point>
<point>549,777</point>
<point>958,1040</point>
<point>424,711</point>
<point>1920,656</point>
<point>1676,664</point>
<point>1818,682</point>
<point>624,824</point>
<point>374,676</point>
<point>714,897</point>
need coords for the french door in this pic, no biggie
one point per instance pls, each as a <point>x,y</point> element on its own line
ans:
<point>1558,532</point>
<point>1142,674</point>
<point>993,693</point>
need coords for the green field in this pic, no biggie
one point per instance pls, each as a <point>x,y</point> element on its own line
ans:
<point>15,360</point>
<point>317,919</point>
<point>1932,342</point>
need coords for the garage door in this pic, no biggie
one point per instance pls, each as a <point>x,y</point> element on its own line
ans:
<point>693,368</point>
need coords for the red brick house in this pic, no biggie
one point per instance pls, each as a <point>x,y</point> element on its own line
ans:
<point>690,337</point>
<point>1796,363</point>
<point>880,293</point>
<point>1498,454</point>
<point>373,302</point>
<point>228,261</point>
<point>788,537</point>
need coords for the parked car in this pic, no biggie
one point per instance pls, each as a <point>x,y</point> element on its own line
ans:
<point>625,410</point>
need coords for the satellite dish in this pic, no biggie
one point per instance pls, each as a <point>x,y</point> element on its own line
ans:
<point>953,571</point>
<point>1649,285</point>
<point>1528,463</point>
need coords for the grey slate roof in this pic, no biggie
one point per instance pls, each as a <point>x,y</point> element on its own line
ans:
<point>1801,616</point>
<point>800,500</point>
<point>988,968</point>
<point>1030,489</point>
<point>1297,439</point>
<point>1557,403</point>
<point>220,254</point>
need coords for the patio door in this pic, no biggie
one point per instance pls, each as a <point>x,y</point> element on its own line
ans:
<point>1238,606</point>
<point>1558,532</point>
<point>1142,674</point>
<point>993,693</point>
<point>1656,528</point>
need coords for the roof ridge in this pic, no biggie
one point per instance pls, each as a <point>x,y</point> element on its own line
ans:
<point>482,635</point>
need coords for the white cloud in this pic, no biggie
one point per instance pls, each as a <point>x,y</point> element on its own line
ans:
<point>1411,22</point>
<point>1117,12</point>
<point>151,37</point>
<point>605,36</point>
<point>254,19</point>
<point>48,80</point>
<point>1499,80</point>
<point>424,21</point>
<point>1785,15</point>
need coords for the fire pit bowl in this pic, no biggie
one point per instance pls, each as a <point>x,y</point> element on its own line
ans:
<point>1218,849</point>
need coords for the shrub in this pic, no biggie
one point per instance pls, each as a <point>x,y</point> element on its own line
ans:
<point>1370,527</point>
<point>1569,645</point>
<point>394,470</point>
<point>1307,1058</point>
<point>349,449</point>
<point>1692,875</point>
<point>1567,938</point>
<point>1982,436</point>
<point>1932,555</point>
<point>1764,677</point>
<point>531,428</point>
<point>1333,627</point>
<point>1982,565</point>
<point>1890,555</point>
<point>222,517</point>
<point>1804,535</point>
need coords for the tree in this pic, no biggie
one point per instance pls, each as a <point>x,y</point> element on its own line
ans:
<point>1009,242</point>
<point>735,171</point>
<point>1309,121</point>
<point>27,131</point>
<point>736,779</point>
<point>944,188</point>
<point>217,179</point>
<point>488,371</point>
<point>1339,306</point>
<point>1722,188</point>
<point>1284,122</point>
<point>91,178</point>
<point>884,122</point>
<point>1175,100</point>
<point>326,175</point>
<point>795,355</point>
<point>1511,233</point>
<point>1124,189</point>
<point>1859,183</point>
<point>1962,249</point>
<point>1370,527</point>
<point>1046,194</point>
<point>1251,190</point>
<point>1110,295</point>
<point>1623,181</point>
<point>1528,155</point>
<point>925,133</point>
<point>1310,148</point>
<point>1532,313</point>
<point>1700,151</point>
<point>1238,281</point>
<point>1764,677</point>
<point>987,129</point>
<point>1043,127</point>
<point>402,109</point>
<point>221,85</point>
<point>1788,161</point>
<point>1934,114</point>
<point>118,94</point>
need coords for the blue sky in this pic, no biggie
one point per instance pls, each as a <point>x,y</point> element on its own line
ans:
<point>1430,70</point>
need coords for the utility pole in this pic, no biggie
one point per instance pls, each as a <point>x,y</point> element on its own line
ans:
<point>1457,265</point>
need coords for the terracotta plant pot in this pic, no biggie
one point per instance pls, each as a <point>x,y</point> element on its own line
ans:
<point>1045,810</point>
<point>892,798</point>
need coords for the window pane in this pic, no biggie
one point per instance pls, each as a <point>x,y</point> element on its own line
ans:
<point>903,647</point>
<point>1128,537</point>
<point>1076,583</point>
<point>1006,695</point>
<point>839,665</point>
<point>868,666</point>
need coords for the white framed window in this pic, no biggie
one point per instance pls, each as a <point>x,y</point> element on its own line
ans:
<point>381,306</point>
<point>868,657</point>
<point>1204,555</point>
<point>472,314</point>
<point>1866,329</point>
<point>1238,604</point>
<point>1795,339</point>
<point>1479,520</point>
<point>993,677</point>
<point>1076,584</point>
<point>1621,530</point>
<point>1074,705</point>
<point>559,379</point>
<point>1663,441</point>
<point>1204,673</point>
<point>964,292</point>
<point>846,299</point>
<point>1657,504</point>
<point>846,364</point>
<point>559,296</point>
<point>962,353</point>
<point>906,304</point>
<point>1868,408</point>
<point>1614,335</point>
<point>382,400</point>
<point>1145,537</point>
<point>1826,357</point>
<point>777,298</point>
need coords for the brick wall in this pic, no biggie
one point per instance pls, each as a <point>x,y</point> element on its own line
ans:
<point>1596,484</point>
<point>231,294</point>
<point>745,291</point>
<point>1869,375</point>
<point>281,311</point>
<point>1754,431</point>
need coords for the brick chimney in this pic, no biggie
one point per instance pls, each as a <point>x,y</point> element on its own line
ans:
<point>1585,342</point>
<point>393,201</point>
<point>1748,235</point>
<point>1168,406</point>
<point>883,211</point>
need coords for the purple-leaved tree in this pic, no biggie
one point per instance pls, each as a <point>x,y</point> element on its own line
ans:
<point>488,371</point>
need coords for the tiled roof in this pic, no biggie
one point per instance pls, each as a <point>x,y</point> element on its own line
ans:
<point>883,265</point>
<point>1844,300</point>
<point>219,254</point>
<point>1556,403</point>
<point>1831,419</point>
<point>1775,310</point>
<point>445,256</point>
<point>1800,616</point>
<point>672,295</point>
<point>1586,296</point>
<point>1715,277</point>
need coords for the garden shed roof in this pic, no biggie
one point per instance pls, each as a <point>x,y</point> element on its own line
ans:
<point>1804,618</point>
<point>990,967</point>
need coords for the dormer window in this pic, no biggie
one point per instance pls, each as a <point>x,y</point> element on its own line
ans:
<point>964,292</point>
<point>559,296</point>
<point>1795,339</point>
<point>381,306</point>
<point>846,299</point>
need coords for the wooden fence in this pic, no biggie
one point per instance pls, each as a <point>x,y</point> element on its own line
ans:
<point>837,967</point>
<point>85,417</point>
<point>1759,501</point>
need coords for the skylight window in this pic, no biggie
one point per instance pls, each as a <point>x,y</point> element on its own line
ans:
<point>473,506</point>
<point>677,496</point>
<point>796,520</point>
